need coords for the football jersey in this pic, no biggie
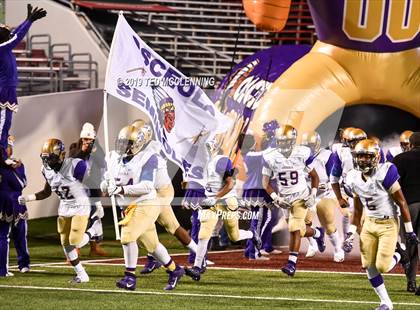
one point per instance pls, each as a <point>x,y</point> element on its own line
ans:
<point>215,171</point>
<point>133,172</point>
<point>322,163</point>
<point>343,163</point>
<point>392,152</point>
<point>73,194</point>
<point>373,192</point>
<point>290,172</point>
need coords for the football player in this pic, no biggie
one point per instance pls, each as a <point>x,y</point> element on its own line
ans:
<point>221,202</point>
<point>325,200</point>
<point>288,165</point>
<point>377,192</point>
<point>342,164</point>
<point>165,195</point>
<point>89,150</point>
<point>64,176</point>
<point>131,177</point>
<point>404,146</point>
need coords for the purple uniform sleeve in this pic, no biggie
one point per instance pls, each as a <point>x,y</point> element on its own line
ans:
<point>389,156</point>
<point>80,170</point>
<point>382,156</point>
<point>391,177</point>
<point>147,173</point>
<point>329,165</point>
<point>337,169</point>
<point>310,160</point>
<point>17,35</point>
<point>223,165</point>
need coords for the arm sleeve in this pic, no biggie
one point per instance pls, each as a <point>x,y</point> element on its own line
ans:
<point>310,162</point>
<point>391,177</point>
<point>17,35</point>
<point>382,156</point>
<point>266,170</point>
<point>80,170</point>
<point>223,165</point>
<point>329,165</point>
<point>336,170</point>
<point>142,188</point>
<point>389,156</point>
<point>148,171</point>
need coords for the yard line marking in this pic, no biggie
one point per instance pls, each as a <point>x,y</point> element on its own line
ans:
<point>32,270</point>
<point>202,295</point>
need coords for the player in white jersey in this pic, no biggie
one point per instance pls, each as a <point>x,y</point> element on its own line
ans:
<point>325,200</point>
<point>131,177</point>
<point>288,165</point>
<point>64,177</point>
<point>403,147</point>
<point>165,194</point>
<point>376,191</point>
<point>221,202</point>
<point>342,164</point>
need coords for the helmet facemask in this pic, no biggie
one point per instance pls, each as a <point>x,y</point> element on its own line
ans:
<point>366,162</point>
<point>285,145</point>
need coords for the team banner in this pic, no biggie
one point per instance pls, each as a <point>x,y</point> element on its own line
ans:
<point>183,116</point>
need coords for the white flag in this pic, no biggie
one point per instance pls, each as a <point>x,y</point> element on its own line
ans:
<point>182,115</point>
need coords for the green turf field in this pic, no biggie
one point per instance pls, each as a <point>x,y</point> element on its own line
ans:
<point>46,286</point>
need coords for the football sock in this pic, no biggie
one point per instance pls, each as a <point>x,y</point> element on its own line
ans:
<point>293,256</point>
<point>312,242</point>
<point>192,246</point>
<point>378,285</point>
<point>131,252</point>
<point>395,259</point>
<point>201,252</point>
<point>335,241</point>
<point>346,225</point>
<point>162,255</point>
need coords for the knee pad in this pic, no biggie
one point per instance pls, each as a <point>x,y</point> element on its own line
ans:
<point>76,237</point>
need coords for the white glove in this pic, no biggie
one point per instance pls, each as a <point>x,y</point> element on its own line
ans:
<point>209,202</point>
<point>310,202</point>
<point>113,189</point>
<point>104,186</point>
<point>23,200</point>
<point>280,202</point>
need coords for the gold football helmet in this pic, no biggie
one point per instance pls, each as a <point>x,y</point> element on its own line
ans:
<point>52,154</point>
<point>366,155</point>
<point>344,134</point>
<point>138,123</point>
<point>130,141</point>
<point>405,140</point>
<point>286,136</point>
<point>312,139</point>
<point>354,136</point>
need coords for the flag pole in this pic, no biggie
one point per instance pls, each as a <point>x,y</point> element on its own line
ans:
<point>106,136</point>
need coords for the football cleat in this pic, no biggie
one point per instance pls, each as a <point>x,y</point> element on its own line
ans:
<point>289,269</point>
<point>411,286</point>
<point>383,307</point>
<point>321,240</point>
<point>256,240</point>
<point>80,278</point>
<point>151,265</point>
<point>339,256</point>
<point>9,274</point>
<point>405,259</point>
<point>174,277</point>
<point>24,270</point>
<point>129,282</point>
<point>311,252</point>
<point>194,273</point>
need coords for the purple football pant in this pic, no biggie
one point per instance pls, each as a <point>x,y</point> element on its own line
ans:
<point>195,229</point>
<point>19,234</point>
<point>4,247</point>
<point>262,225</point>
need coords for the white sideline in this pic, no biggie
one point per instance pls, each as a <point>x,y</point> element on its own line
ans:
<point>202,295</point>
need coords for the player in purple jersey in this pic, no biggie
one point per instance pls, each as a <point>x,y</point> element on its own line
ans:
<point>368,51</point>
<point>8,72</point>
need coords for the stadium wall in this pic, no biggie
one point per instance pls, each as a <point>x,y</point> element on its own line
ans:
<point>64,27</point>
